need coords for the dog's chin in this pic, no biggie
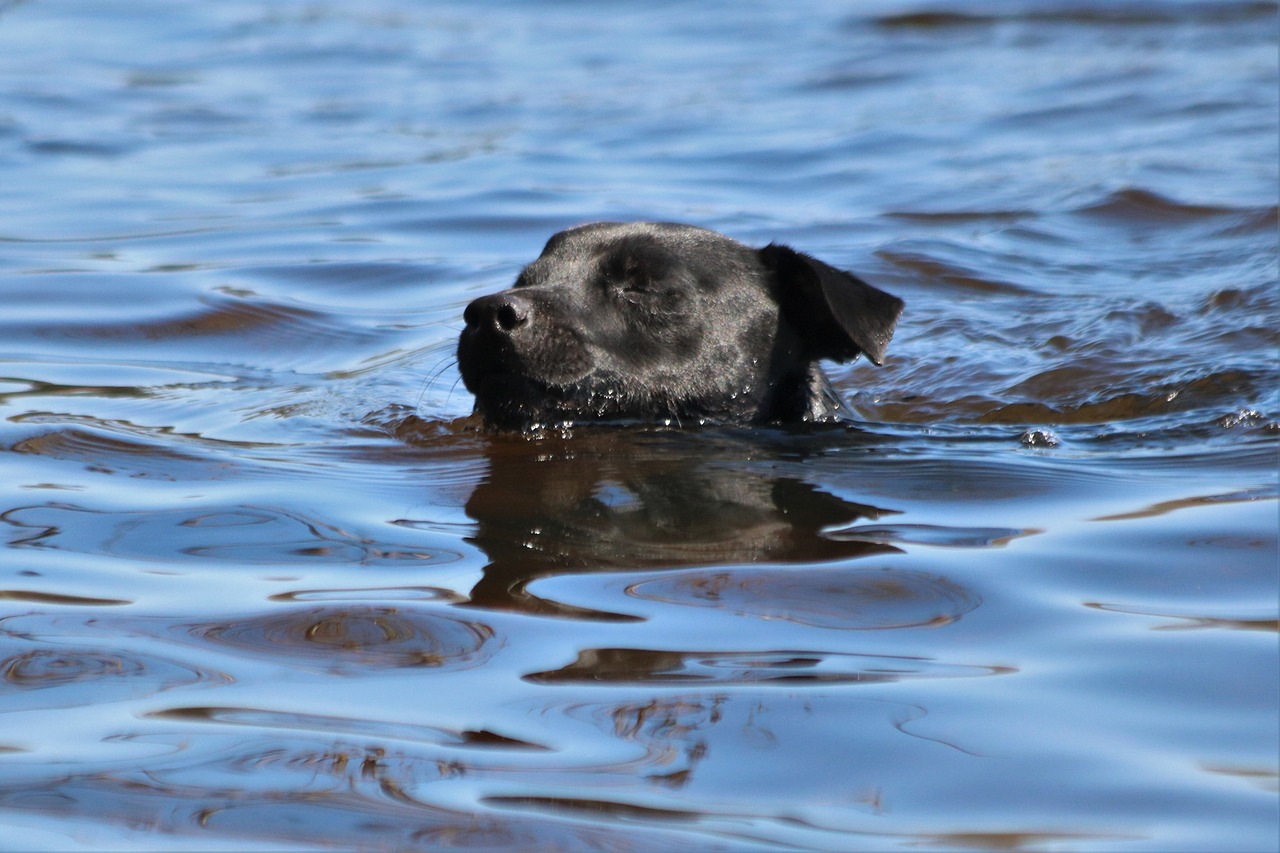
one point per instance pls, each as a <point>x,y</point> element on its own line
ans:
<point>509,402</point>
<point>513,403</point>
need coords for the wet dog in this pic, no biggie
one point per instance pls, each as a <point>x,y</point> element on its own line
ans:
<point>665,323</point>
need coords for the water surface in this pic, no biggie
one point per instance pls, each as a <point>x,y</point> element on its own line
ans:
<point>265,586</point>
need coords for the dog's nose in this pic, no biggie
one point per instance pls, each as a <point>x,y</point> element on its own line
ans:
<point>501,311</point>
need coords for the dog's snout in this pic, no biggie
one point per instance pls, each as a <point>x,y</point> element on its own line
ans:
<point>501,311</point>
<point>512,313</point>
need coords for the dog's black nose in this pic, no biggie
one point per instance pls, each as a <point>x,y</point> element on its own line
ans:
<point>501,311</point>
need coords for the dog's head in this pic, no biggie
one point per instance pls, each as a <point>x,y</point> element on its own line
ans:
<point>660,322</point>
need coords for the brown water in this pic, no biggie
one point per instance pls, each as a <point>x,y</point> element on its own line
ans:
<point>264,586</point>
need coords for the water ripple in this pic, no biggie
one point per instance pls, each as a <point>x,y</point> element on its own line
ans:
<point>347,727</point>
<point>244,535</point>
<point>354,638</point>
<point>260,589</point>
<point>1138,15</point>
<point>317,795</point>
<point>840,598</point>
<point>51,670</point>
<point>792,668</point>
<point>930,534</point>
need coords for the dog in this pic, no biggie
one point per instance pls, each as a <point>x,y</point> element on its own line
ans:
<point>653,323</point>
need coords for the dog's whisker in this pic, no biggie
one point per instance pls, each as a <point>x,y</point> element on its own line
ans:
<point>422,392</point>
<point>446,359</point>
<point>454,387</point>
<point>434,376</point>
<point>441,368</point>
<point>450,324</point>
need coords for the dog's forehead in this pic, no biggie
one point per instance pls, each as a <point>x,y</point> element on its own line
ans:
<point>597,238</point>
<point>656,245</point>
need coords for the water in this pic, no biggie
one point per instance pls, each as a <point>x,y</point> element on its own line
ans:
<point>264,586</point>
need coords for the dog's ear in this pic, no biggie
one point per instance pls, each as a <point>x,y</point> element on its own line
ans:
<point>837,314</point>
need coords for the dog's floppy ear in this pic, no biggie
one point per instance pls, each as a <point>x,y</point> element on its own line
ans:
<point>837,314</point>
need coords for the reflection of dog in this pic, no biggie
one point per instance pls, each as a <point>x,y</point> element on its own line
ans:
<point>611,499</point>
<point>661,322</point>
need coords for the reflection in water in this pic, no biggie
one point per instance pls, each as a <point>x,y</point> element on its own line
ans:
<point>712,520</point>
<point>947,536</point>
<point>37,597</point>
<point>722,668</point>
<point>286,722</point>
<point>237,534</point>
<point>629,499</point>
<point>218,631</point>
<point>1187,621</point>
<point>306,794</point>
<point>354,638</point>
<point>1160,508</point>
<point>60,672</point>
<point>50,668</point>
<point>839,597</point>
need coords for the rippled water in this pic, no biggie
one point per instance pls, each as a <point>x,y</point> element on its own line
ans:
<point>264,586</point>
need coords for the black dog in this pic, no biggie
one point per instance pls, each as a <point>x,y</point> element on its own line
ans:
<point>658,322</point>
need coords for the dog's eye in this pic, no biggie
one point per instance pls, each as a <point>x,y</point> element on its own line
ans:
<point>626,277</point>
<point>652,300</point>
<point>641,280</point>
<point>638,290</point>
<point>636,286</point>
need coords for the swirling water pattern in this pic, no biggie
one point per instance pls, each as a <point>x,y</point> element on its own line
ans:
<point>264,586</point>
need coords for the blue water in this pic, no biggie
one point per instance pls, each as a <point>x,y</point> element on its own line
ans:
<point>263,584</point>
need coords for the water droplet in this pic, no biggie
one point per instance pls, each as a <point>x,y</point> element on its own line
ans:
<point>1039,438</point>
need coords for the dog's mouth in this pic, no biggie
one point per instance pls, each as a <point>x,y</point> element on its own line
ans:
<point>510,401</point>
<point>523,385</point>
<point>523,388</point>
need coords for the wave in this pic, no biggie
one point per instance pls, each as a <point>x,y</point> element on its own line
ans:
<point>1136,204</point>
<point>1108,14</point>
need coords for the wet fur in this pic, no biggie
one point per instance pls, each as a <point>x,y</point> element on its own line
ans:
<point>658,322</point>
